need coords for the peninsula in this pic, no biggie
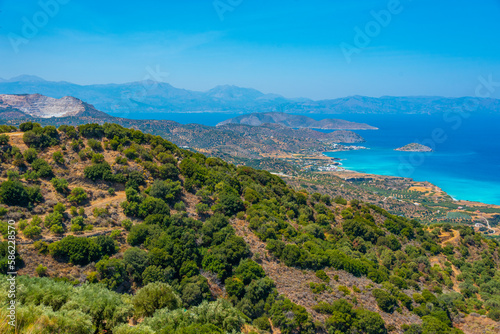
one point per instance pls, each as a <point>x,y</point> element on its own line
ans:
<point>295,121</point>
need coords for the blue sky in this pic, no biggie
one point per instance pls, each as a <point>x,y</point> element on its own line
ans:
<point>293,47</point>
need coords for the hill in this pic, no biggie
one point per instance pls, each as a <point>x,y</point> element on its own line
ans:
<point>241,141</point>
<point>37,105</point>
<point>152,96</point>
<point>115,226</point>
<point>295,121</point>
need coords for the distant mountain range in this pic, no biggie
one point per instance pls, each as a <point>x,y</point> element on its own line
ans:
<point>151,96</point>
<point>295,121</point>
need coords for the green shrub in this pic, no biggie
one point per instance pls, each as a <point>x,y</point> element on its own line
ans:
<point>344,289</point>
<point>97,158</point>
<point>92,130</point>
<point>58,157</point>
<point>60,185</point>
<point>32,232</point>
<point>385,301</point>
<point>42,168</point>
<point>95,145</point>
<point>39,137</point>
<point>14,193</point>
<point>166,190</point>
<point>111,272</point>
<point>82,251</point>
<point>127,224</point>
<point>155,296</point>
<point>202,208</point>
<point>4,139</point>
<point>30,155</point>
<point>41,270</point>
<point>180,206</point>
<point>78,195</point>
<point>101,171</point>
<point>317,287</point>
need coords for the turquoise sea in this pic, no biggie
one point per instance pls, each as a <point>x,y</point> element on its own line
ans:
<point>465,162</point>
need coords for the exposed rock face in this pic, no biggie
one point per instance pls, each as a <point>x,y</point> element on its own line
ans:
<point>37,105</point>
<point>294,121</point>
<point>414,147</point>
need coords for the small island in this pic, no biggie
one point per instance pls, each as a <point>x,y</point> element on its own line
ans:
<point>414,147</point>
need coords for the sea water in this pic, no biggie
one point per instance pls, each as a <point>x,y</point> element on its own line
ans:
<point>465,162</point>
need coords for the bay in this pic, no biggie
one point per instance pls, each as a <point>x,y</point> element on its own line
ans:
<point>465,162</point>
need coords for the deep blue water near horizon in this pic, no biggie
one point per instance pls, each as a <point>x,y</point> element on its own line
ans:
<point>465,162</point>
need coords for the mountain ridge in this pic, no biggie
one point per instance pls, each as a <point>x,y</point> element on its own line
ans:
<point>151,96</point>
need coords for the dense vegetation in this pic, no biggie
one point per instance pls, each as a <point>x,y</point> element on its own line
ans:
<point>168,259</point>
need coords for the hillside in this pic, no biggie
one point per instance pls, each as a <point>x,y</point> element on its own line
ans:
<point>294,121</point>
<point>249,142</point>
<point>37,105</point>
<point>121,231</point>
<point>153,96</point>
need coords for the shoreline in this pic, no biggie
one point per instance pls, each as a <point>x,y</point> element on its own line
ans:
<point>362,174</point>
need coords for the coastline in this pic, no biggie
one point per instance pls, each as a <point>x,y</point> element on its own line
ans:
<point>347,172</point>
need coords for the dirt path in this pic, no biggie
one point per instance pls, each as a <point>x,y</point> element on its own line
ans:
<point>119,197</point>
<point>452,240</point>
<point>16,139</point>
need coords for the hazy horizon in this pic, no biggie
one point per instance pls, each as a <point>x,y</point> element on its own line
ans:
<point>271,93</point>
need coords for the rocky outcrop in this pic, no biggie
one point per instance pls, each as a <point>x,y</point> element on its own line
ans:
<point>41,106</point>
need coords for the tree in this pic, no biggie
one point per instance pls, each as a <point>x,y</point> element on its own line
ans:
<point>94,145</point>
<point>153,206</point>
<point>235,287</point>
<point>92,130</point>
<point>136,261</point>
<point>229,204</point>
<point>100,171</point>
<point>111,272</point>
<point>166,190</point>
<point>155,296</point>
<point>13,193</point>
<point>369,322</point>
<point>106,308</point>
<point>157,274</point>
<point>249,270</point>
<point>385,301</point>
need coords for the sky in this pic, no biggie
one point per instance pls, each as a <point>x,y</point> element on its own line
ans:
<point>296,48</point>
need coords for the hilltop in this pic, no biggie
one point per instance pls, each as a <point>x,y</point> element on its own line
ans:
<point>149,96</point>
<point>39,106</point>
<point>294,121</point>
<point>115,226</point>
